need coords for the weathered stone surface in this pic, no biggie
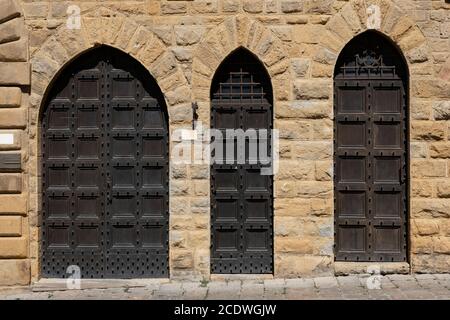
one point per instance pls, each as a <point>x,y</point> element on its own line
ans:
<point>430,208</point>
<point>253,6</point>
<point>36,9</point>
<point>13,118</point>
<point>173,7</point>
<point>300,67</point>
<point>10,97</point>
<point>312,89</point>
<point>14,272</point>
<point>441,110</point>
<point>440,150</point>
<point>426,227</point>
<point>188,35</point>
<point>14,51</point>
<point>204,6</point>
<point>230,5</point>
<point>318,6</point>
<point>288,6</point>
<point>13,204</point>
<point>428,169</point>
<point>15,73</point>
<point>10,183</point>
<point>10,226</point>
<point>443,189</point>
<point>11,30</point>
<point>10,9</point>
<point>13,248</point>
<point>428,130</point>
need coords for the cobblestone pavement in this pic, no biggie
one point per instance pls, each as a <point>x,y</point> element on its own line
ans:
<point>426,286</point>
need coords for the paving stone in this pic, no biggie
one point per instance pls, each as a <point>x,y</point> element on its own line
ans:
<point>252,291</point>
<point>425,276</point>
<point>299,283</point>
<point>169,290</point>
<point>349,281</point>
<point>334,288</point>
<point>325,282</point>
<point>401,277</point>
<point>274,289</point>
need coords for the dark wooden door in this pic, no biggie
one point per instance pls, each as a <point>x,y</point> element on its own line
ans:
<point>241,197</point>
<point>370,156</point>
<point>105,171</point>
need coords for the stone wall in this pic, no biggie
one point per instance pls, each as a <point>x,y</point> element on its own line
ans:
<point>182,43</point>
<point>14,89</point>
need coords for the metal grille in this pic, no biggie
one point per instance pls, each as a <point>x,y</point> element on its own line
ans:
<point>241,198</point>
<point>370,158</point>
<point>105,171</point>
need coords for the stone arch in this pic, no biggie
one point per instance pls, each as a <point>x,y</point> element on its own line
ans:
<point>235,32</point>
<point>66,45</point>
<point>118,32</point>
<point>358,16</point>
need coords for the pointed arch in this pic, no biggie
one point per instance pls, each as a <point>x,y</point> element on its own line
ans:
<point>243,58</point>
<point>105,170</point>
<point>242,194</point>
<point>371,155</point>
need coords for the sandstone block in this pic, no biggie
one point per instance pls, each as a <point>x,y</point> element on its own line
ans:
<point>10,97</point>
<point>308,189</point>
<point>182,259</point>
<point>173,7</point>
<point>339,26</point>
<point>204,6</point>
<point>440,150</point>
<point>253,6</point>
<point>426,227</point>
<point>428,169</point>
<point>298,245</point>
<point>428,130</point>
<point>318,6</point>
<point>230,5</point>
<point>10,9</point>
<point>14,51</point>
<point>14,272</point>
<point>442,245</point>
<point>10,183</point>
<point>441,110</point>
<point>291,6</point>
<point>313,150</point>
<point>188,35</point>
<point>13,248</point>
<point>422,244</point>
<point>13,118</point>
<point>35,9</point>
<point>443,189</point>
<point>15,73</point>
<point>300,67</point>
<point>10,226</point>
<point>11,30</point>
<point>312,89</point>
<point>430,208</point>
<point>13,204</point>
<point>304,109</point>
<point>420,188</point>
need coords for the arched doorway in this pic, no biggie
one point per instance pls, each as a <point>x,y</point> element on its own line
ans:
<point>104,148</point>
<point>241,196</point>
<point>371,151</point>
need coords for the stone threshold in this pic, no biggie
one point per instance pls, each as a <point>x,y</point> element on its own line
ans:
<point>231,277</point>
<point>44,285</point>
<point>349,268</point>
